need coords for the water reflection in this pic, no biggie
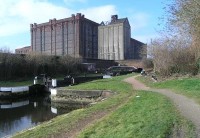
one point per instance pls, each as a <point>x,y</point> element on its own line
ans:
<point>19,115</point>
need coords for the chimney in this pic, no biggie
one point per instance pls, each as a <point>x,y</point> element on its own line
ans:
<point>114,18</point>
<point>78,15</point>
<point>35,25</point>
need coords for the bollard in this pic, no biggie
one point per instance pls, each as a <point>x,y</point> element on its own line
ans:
<point>72,81</point>
<point>35,81</point>
<point>54,83</point>
<point>53,92</point>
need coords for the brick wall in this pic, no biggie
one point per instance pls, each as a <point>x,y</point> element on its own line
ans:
<point>75,36</point>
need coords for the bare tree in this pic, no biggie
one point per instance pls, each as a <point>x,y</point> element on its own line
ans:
<point>172,55</point>
<point>185,18</point>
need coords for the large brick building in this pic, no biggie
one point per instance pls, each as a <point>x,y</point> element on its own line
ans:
<point>115,42</point>
<point>75,36</point>
<point>80,37</point>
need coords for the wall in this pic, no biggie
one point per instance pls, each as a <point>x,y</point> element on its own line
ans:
<point>114,39</point>
<point>138,49</point>
<point>111,42</point>
<point>131,62</point>
<point>101,64</point>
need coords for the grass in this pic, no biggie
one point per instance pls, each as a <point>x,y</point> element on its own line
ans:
<point>115,84</point>
<point>16,83</point>
<point>151,114</point>
<point>13,83</point>
<point>65,122</point>
<point>189,87</point>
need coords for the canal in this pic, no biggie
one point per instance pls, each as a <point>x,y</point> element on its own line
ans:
<point>23,114</point>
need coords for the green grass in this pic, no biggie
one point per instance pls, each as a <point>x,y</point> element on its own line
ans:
<point>65,122</point>
<point>151,115</point>
<point>115,84</point>
<point>189,87</point>
<point>12,83</point>
<point>16,83</point>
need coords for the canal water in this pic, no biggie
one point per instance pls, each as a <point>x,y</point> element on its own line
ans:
<point>23,114</point>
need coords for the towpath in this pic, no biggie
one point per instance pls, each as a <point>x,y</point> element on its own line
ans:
<point>187,107</point>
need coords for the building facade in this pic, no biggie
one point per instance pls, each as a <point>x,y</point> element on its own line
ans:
<point>80,37</point>
<point>114,39</point>
<point>23,50</point>
<point>115,42</point>
<point>75,36</point>
<point>138,49</point>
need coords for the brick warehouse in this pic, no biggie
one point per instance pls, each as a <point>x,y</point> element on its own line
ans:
<point>75,36</point>
<point>80,37</point>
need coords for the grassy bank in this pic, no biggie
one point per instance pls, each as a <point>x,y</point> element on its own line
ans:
<point>16,83</point>
<point>127,116</point>
<point>29,81</point>
<point>150,115</point>
<point>187,86</point>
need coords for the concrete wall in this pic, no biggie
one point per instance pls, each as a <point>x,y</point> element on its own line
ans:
<point>131,62</point>
<point>127,44</point>
<point>111,42</point>
<point>114,40</point>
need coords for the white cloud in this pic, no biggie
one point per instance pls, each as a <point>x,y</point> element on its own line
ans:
<point>38,11</point>
<point>98,14</point>
<point>17,15</point>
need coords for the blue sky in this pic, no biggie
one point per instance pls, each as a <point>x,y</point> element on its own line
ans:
<point>17,15</point>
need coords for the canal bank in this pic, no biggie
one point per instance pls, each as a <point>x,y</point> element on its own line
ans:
<point>78,98</point>
<point>15,101</point>
<point>68,122</point>
<point>128,113</point>
<point>21,91</point>
<point>43,83</point>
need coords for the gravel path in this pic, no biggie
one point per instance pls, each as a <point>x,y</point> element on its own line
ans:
<point>187,107</point>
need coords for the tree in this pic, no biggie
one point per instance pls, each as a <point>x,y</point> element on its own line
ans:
<point>172,55</point>
<point>184,17</point>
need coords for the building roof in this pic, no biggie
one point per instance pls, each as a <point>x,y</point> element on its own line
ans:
<point>27,47</point>
<point>122,20</point>
<point>115,20</point>
<point>137,41</point>
<point>55,21</point>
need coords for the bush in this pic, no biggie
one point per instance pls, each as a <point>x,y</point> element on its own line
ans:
<point>14,66</point>
<point>147,63</point>
<point>172,55</point>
